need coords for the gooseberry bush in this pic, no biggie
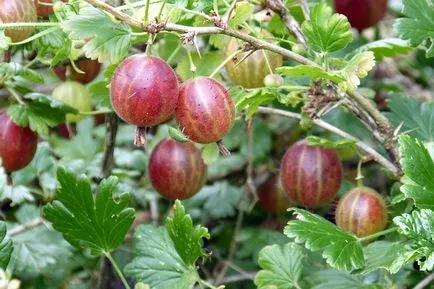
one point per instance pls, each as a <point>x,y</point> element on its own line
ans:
<point>183,144</point>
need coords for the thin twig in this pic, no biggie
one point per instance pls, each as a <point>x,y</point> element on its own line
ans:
<point>250,164</point>
<point>278,7</point>
<point>361,145</point>
<point>110,140</point>
<point>231,9</point>
<point>157,27</point>
<point>425,282</point>
<point>232,246</point>
<point>25,227</point>
<point>305,8</point>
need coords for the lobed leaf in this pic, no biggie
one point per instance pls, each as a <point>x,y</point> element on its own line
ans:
<point>98,222</point>
<point>281,266</point>
<point>325,31</point>
<point>418,167</point>
<point>341,250</point>
<point>419,26</point>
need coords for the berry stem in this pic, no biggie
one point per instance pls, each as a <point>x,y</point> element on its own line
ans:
<point>360,177</point>
<point>224,62</point>
<point>20,25</point>
<point>376,235</point>
<point>223,149</point>
<point>140,140</point>
<point>118,271</point>
<point>9,180</point>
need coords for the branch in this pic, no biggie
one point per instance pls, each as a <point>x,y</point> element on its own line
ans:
<point>361,145</point>
<point>279,8</point>
<point>22,228</point>
<point>425,282</point>
<point>110,138</point>
<point>385,130</point>
<point>158,27</point>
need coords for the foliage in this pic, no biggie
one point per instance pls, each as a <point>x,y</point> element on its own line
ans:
<point>67,222</point>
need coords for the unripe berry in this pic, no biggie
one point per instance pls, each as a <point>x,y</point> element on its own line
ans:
<point>75,95</point>
<point>273,80</point>
<point>176,169</point>
<point>311,175</point>
<point>362,211</point>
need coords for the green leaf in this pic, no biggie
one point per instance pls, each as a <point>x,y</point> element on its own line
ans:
<point>333,279</point>
<point>418,227</point>
<point>99,223</point>
<point>342,250</point>
<point>224,166</point>
<point>219,200</point>
<point>380,255</point>
<point>157,262</point>
<point>187,240</point>
<point>250,100</point>
<point>418,167</point>
<point>310,71</point>
<point>241,13</point>
<point>106,40</point>
<point>205,65</point>
<point>38,250</point>
<point>389,47</point>
<point>326,143</point>
<point>281,266</point>
<point>252,240</point>
<point>210,153</point>
<point>6,247</point>
<point>13,69</point>
<point>417,119</point>
<point>419,26</point>
<point>100,93</point>
<point>177,135</point>
<point>4,41</point>
<point>40,112</point>
<point>325,31</point>
<point>219,41</point>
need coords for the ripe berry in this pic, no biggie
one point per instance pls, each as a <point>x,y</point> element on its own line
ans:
<point>362,13</point>
<point>311,175</point>
<point>144,90</point>
<point>17,144</point>
<point>45,10</point>
<point>17,11</point>
<point>176,169</point>
<point>90,68</point>
<point>75,95</point>
<point>362,211</point>
<point>250,73</point>
<point>205,110</point>
<point>272,197</point>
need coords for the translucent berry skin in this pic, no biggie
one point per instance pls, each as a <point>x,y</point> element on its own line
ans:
<point>89,66</point>
<point>176,169</point>
<point>205,110</point>
<point>250,73</point>
<point>18,11</point>
<point>45,10</point>
<point>75,95</point>
<point>311,175</point>
<point>144,90</point>
<point>362,211</point>
<point>272,197</point>
<point>17,144</point>
<point>362,13</point>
